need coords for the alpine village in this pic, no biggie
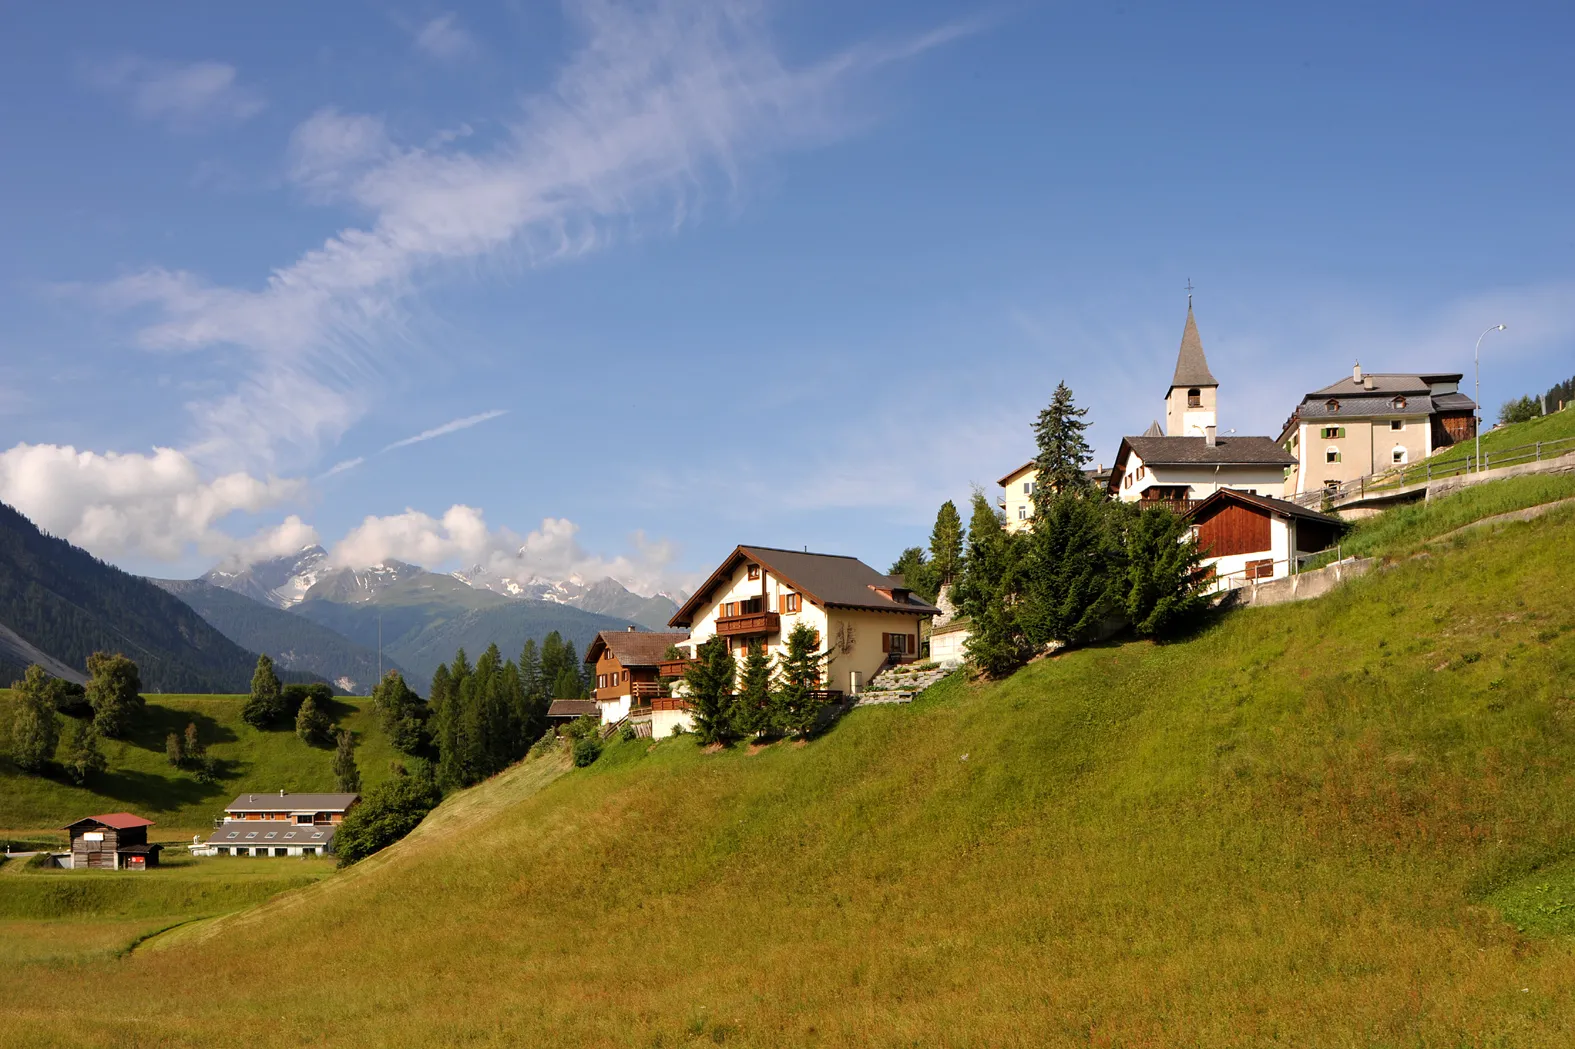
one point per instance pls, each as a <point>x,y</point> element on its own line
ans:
<point>1186,737</point>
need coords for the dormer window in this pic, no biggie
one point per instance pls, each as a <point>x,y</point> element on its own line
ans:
<point>1331,405</point>
<point>1194,398</point>
<point>1398,404</point>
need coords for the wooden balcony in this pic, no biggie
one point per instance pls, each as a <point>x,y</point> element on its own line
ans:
<point>751,625</point>
<point>669,703</point>
<point>673,667</point>
<point>1175,506</point>
<point>642,692</point>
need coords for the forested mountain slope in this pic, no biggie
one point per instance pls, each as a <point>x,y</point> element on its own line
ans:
<point>1297,827</point>
<point>294,642</point>
<point>67,603</point>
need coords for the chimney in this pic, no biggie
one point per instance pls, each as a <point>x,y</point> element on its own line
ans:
<point>631,628</point>
<point>281,792</point>
<point>1356,373</point>
<point>1209,436</point>
<point>1368,383</point>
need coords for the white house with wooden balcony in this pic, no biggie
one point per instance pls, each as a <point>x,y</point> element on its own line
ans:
<point>1246,538</point>
<point>864,621</point>
<point>626,667</point>
<point>1190,460</point>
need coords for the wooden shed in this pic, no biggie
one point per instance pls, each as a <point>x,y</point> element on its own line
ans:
<point>112,841</point>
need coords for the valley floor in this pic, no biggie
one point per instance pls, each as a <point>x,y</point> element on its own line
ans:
<point>1347,822</point>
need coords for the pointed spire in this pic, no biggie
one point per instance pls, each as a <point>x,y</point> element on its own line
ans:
<point>1192,368</point>
<point>1154,430</point>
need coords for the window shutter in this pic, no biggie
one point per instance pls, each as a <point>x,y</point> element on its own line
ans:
<point>1342,431</point>
<point>913,644</point>
<point>885,642</point>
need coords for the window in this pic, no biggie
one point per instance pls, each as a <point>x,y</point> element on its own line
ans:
<point>1029,486</point>
<point>1331,455</point>
<point>232,834</point>
<point>1397,424</point>
<point>317,834</point>
<point>1194,398</point>
<point>271,834</point>
<point>1260,569</point>
<point>601,680</point>
<point>1399,404</point>
<point>303,819</point>
<point>899,644</point>
<point>251,835</point>
<point>1141,471</point>
<point>1331,405</point>
<point>1333,433</point>
<point>789,603</point>
<point>1398,455</point>
<point>754,571</point>
<point>290,835</point>
<point>625,677</point>
<point>1022,513</point>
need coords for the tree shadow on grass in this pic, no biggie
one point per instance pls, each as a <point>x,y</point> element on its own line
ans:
<point>152,791</point>
<point>152,727</point>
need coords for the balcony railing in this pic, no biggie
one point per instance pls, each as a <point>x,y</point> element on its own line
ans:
<point>641,692</point>
<point>669,703</point>
<point>673,667</point>
<point>751,625</point>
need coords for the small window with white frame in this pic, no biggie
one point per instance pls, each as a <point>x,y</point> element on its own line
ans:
<point>1022,513</point>
<point>1331,455</point>
<point>1398,454</point>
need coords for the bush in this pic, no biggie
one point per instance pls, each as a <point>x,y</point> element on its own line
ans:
<point>389,812</point>
<point>586,750</point>
<point>547,744</point>
<point>627,733</point>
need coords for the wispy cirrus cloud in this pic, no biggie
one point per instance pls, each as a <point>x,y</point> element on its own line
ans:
<point>660,103</point>
<point>185,97</point>
<point>449,427</point>
<point>444,39</point>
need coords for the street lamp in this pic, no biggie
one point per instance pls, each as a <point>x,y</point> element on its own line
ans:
<point>1476,357</point>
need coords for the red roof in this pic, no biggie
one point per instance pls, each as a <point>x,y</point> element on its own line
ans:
<point>118,820</point>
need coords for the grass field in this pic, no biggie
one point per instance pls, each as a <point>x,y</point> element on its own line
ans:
<point>1347,822</point>
<point>1504,446</point>
<point>140,780</point>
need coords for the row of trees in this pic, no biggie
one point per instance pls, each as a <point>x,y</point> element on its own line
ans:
<point>760,698</point>
<point>1522,409</point>
<point>1088,564</point>
<point>30,718</point>
<point>927,571</point>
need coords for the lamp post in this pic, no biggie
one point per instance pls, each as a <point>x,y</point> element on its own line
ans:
<point>1476,357</point>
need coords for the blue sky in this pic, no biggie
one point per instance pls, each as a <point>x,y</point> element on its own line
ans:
<point>652,279</point>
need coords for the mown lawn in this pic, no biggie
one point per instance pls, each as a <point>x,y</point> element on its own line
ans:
<point>1500,443</point>
<point>141,780</point>
<point>1310,825</point>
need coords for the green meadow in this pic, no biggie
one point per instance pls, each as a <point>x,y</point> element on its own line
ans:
<point>141,780</point>
<point>1346,822</point>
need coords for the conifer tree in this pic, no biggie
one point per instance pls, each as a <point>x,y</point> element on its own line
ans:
<point>311,724</point>
<point>710,683</point>
<point>987,592</point>
<point>401,710</point>
<point>83,758</point>
<point>346,775</point>
<point>553,662</point>
<point>571,659</point>
<point>1063,449</point>
<point>530,673</point>
<point>114,692</point>
<point>569,685</point>
<point>29,724</point>
<point>946,545</point>
<point>442,685</point>
<point>173,752</point>
<point>917,573</point>
<point>263,705</point>
<point>1166,590</point>
<point>799,697</point>
<point>757,713</point>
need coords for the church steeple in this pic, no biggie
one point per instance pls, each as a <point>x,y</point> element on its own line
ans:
<point>1192,401</point>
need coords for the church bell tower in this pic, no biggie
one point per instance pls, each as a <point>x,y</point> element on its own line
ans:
<point>1192,405</point>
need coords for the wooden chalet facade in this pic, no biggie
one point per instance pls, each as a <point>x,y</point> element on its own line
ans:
<point>1253,538</point>
<point>114,841</point>
<point>627,670</point>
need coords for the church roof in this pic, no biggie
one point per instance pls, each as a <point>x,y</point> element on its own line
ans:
<point>1154,430</point>
<point>1192,368</point>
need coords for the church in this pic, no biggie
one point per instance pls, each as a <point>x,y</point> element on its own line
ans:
<point>1190,459</point>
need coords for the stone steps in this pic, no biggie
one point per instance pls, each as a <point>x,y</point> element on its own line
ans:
<point>901,684</point>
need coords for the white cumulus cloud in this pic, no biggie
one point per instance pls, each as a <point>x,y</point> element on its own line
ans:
<point>157,506</point>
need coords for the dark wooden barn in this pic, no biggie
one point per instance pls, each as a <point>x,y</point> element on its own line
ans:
<point>113,841</point>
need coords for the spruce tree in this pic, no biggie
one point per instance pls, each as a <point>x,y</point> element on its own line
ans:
<point>569,685</point>
<point>1165,587</point>
<point>988,592</point>
<point>173,752</point>
<point>401,711</point>
<point>917,573</point>
<point>114,692</point>
<point>311,724</point>
<point>1063,449</point>
<point>262,706</point>
<point>571,660</point>
<point>534,690</point>
<point>83,758</point>
<point>946,545</point>
<point>800,697</point>
<point>709,683</point>
<point>346,775</point>
<point>29,723</point>
<point>757,714</point>
<point>442,685</point>
<point>553,661</point>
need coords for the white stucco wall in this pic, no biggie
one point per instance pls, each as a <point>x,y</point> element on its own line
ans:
<point>1202,480</point>
<point>663,722</point>
<point>1234,565</point>
<point>614,709</point>
<point>947,648</point>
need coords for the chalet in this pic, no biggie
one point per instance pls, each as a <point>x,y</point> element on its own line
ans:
<point>863,620</point>
<point>1373,422</point>
<point>627,669</point>
<point>1017,502</point>
<point>1190,459</point>
<point>1255,538</point>
<point>280,824</point>
<point>115,841</point>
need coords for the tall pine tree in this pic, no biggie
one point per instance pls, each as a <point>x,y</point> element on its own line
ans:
<point>800,696</point>
<point>346,776</point>
<point>946,545</point>
<point>709,683</point>
<point>263,705</point>
<point>987,591</point>
<point>757,709</point>
<point>1063,449</point>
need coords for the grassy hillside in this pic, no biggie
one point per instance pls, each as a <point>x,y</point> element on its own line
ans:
<point>140,780</point>
<point>1305,826</point>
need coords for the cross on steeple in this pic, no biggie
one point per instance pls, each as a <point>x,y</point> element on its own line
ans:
<point>1189,293</point>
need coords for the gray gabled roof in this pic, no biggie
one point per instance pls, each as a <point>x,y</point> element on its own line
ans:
<point>1385,382</point>
<point>1192,368</point>
<point>257,832</point>
<point>832,580</point>
<point>1278,506</point>
<point>276,802</point>
<point>1191,451</point>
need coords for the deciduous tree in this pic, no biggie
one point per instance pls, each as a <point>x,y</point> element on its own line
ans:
<point>114,690</point>
<point>84,760</point>
<point>311,724</point>
<point>390,810</point>
<point>29,724</point>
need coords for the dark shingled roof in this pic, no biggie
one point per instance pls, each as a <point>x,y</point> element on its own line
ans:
<point>256,832</point>
<point>1278,506</point>
<point>1384,382</point>
<point>633,648</point>
<point>1192,451</point>
<point>831,580</point>
<point>276,802</point>
<point>1192,368</point>
<point>572,708</point>
<point>1154,430</point>
<point>1372,405</point>
<point>118,820</point>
